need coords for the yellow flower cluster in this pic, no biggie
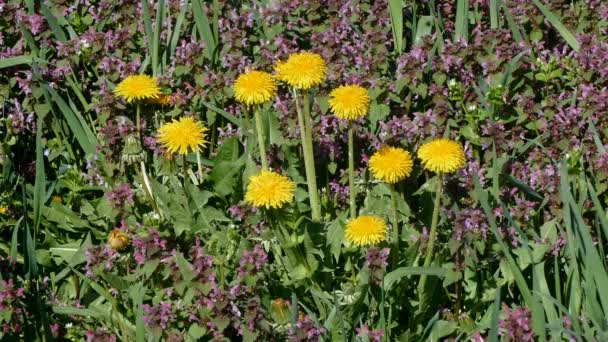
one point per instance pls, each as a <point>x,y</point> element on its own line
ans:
<point>393,164</point>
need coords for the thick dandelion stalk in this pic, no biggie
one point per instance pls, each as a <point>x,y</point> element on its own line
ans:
<point>351,171</point>
<point>138,122</point>
<point>185,168</point>
<point>260,131</point>
<point>396,232</point>
<point>309,159</point>
<point>431,243</point>
<point>200,166</point>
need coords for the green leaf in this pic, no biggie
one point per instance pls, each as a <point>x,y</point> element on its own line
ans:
<point>335,235</point>
<point>17,60</point>
<point>71,311</point>
<point>395,276</point>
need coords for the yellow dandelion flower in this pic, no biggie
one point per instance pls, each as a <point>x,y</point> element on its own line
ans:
<point>442,155</point>
<point>365,230</point>
<point>138,87</point>
<point>391,164</point>
<point>302,70</point>
<point>118,240</point>
<point>269,190</point>
<point>57,199</point>
<point>3,210</point>
<point>183,136</point>
<point>349,102</point>
<point>254,87</point>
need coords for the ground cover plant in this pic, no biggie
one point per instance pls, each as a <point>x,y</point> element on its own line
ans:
<point>303,170</point>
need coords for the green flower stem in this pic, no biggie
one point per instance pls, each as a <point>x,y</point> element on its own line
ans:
<point>396,232</point>
<point>142,166</point>
<point>185,168</point>
<point>138,122</point>
<point>431,243</point>
<point>260,130</point>
<point>309,160</point>
<point>148,188</point>
<point>351,171</point>
<point>200,167</point>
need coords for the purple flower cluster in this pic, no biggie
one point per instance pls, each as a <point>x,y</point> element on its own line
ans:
<point>20,121</point>
<point>517,325</point>
<point>149,247</point>
<point>371,335</point>
<point>470,224</point>
<point>99,335</point>
<point>159,315</point>
<point>305,330</point>
<point>377,260</point>
<point>120,196</point>
<point>201,263</point>
<point>11,297</point>
<point>98,257</point>
<point>252,261</point>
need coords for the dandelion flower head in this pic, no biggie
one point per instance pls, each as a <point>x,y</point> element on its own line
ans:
<point>183,136</point>
<point>269,190</point>
<point>118,240</point>
<point>302,70</point>
<point>442,155</point>
<point>365,230</point>
<point>391,164</point>
<point>254,87</point>
<point>349,102</point>
<point>138,87</point>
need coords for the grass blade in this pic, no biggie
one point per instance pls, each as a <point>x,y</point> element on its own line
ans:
<point>40,180</point>
<point>204,29</point>
<point>158,26</point>
<point>517,33</point>
<point>14,253</point>
<point>76,122</point>
<point>554,20</point>
<point>494,14</point>
<point>396,11</point>
<point>177,30</point>
<point>461,27</point>
<point>147,24</point>
<point>53,24</point>
<point>493,334</point>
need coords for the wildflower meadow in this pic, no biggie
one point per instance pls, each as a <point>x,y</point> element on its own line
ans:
<point>303,170</point>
